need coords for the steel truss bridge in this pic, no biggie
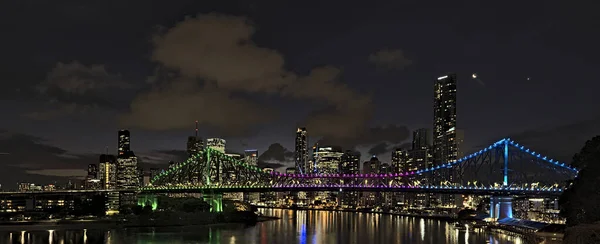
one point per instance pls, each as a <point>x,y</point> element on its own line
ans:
<point>502,169</point>
<point>485,172</point>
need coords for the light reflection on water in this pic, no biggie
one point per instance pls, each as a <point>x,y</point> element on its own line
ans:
<point>303,227</point>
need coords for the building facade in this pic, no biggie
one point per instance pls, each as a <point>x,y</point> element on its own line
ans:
<point>445,148</point>
<point>301,151</point>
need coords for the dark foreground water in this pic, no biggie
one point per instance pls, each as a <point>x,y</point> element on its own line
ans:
<point>293,227</point>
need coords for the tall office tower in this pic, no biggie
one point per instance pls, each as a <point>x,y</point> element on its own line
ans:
<point>251,157</point>
<point>419,157</point>
<point>127,171</point>
<point>92,181</point>
<point>268,198</point>
<point>107,171</point>
<point>444,124</point>
<point>301,151</point>
<point>217,144</point>
<point>194,143</point>
<point>127,177</point>
<point>216,171</point>
<point>349,164</point>
<point>327,161</point>
<point>123,142</point>
<point>399,161</point>
<point>421,138</point>
<point>92,171</point>
<point>371,199</point>
<point>445,148</point>
<point>387,198</point>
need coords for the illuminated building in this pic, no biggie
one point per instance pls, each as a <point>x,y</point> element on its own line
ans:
<point>419,157</point>
<point>387,198</point>
<point>268,198</point>
<point>124,142</point>
<point>327,161</point>
<point>301,151</point>
<point>251,157</point>
<point>217,144</point>
<point>371,199</point>
<point>127,171</point>
<point>232,175</point>
<point>349,164</point>
<point>107,171</point>
<point>445,148</point>
<point>538,209</point>
<point>194,143</point>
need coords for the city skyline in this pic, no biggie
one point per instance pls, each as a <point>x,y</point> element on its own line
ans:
<point>508,96</point>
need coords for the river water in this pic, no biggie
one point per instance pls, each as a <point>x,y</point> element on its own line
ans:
<point>294,227</point>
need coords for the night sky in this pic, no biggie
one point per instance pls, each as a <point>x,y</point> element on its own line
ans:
<point>355,74</point>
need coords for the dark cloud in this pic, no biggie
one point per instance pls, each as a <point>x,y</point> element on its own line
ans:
<point>276,156</point>
<point>29,159</point>
<point>76,89</point>
<point>390,59</point>
<point>76,78</point>
<point>215,58</point>
<point>26,158</point>
<point>380,148</point>
<point>391,134</point>
<point>162,157</point>
<point>184,101</point>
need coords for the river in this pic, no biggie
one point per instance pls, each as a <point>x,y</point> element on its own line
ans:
<point>294,227</point>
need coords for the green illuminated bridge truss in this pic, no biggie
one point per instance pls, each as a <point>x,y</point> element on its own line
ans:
<point>484,172</point>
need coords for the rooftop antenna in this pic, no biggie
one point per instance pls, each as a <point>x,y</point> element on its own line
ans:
<point>106,149</point>
<point>196,129</point>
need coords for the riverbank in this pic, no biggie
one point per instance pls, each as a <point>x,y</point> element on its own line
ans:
<point>157,219</point>
<point>434,217</point>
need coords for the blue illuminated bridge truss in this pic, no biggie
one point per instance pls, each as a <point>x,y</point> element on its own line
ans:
<point>503,168</point>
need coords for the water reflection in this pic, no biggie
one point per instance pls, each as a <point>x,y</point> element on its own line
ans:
<point>305,227</point>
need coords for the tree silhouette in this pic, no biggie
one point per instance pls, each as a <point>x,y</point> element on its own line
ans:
<point>579,203</point>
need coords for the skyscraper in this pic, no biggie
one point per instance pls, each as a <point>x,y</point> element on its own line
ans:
<point>194,143</point>
<point>327,161</point>
<point>301,151</point>
<point>445,148</point>
<point>421,139</point>
<point>350,164</point>
<point>107,172</point>
<point>371,199</point>
<point>127,171</point>
<point>123,142</point>
<point>399,160</point>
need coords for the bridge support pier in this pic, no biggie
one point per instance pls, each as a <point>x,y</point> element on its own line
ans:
<point>215,200</point>
<point>501,207</point>
<point>144,200</point>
